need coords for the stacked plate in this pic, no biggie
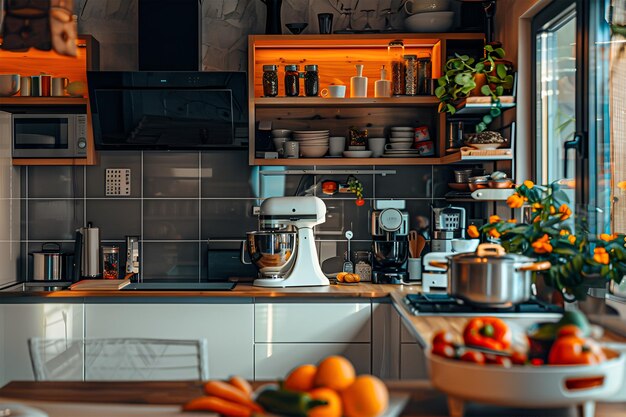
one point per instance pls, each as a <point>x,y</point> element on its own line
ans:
<point>313,143</point>
<point>400,143</point>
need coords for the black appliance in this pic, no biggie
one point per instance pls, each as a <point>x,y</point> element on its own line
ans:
<point>169,110</point>
<point>169,35</point>
<point>446,304</point>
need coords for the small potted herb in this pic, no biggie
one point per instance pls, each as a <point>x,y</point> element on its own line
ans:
<point>464,76</point>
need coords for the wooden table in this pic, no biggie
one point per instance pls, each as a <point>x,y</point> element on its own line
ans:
<point>424,400</point>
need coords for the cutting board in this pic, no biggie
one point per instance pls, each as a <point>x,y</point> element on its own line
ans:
<point>100,284</point>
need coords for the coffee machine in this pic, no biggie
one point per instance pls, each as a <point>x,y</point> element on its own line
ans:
<point>448,224</point>
<point>284,257</point>
<point>390,246</point>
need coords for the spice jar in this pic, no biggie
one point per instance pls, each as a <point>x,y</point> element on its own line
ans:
<point>270,81</point>
<point>410,75</point>
<point>311,81</point>
<point>363,264</point>
<point>110,262</point>
<point>424,75</point>
<point>395,51</point>
<point>292,81</point>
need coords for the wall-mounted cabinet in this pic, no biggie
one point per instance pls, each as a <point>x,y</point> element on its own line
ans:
<point>36,62</point>
<point>336,57</point>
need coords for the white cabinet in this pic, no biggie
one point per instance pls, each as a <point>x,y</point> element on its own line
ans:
<point>19,322</point>
<point>227,327</point>
<point>412,358</point>
<point>385,341</point>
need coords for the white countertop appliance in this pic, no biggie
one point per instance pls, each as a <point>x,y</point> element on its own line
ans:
<point>448,224</point>
<point>435,279</point>
<point>302,213</point>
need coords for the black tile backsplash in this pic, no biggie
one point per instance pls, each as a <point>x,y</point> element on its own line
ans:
<point>179,200</point>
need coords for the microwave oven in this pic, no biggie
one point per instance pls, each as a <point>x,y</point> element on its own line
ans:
<point>45,135</point>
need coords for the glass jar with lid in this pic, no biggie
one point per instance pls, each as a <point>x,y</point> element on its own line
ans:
<point>292,81</point>
<point>395,51</point>
<point>363,264</point>
<point>410,75</point>
<point>424,75</point>
<point>311,81</point>
<point>270,80</point>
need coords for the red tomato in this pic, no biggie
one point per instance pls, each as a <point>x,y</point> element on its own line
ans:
<point>473,356</point>
<point>536,362</point>
<point>499,360</point>
<point>444,350</point>
<point>359,202</point>
<point>443,336</point>
<point>519,358</point>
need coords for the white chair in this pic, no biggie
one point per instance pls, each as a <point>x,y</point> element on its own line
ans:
<point>118,359</point>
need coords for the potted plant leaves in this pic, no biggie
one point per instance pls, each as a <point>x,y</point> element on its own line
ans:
<point>464,76</point>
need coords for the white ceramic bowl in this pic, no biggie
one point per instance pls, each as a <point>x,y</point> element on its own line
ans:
<point>9,84</point>
<point>357,154</point>
<point>421,6</point>
<point>313,151</point>
<point>465,245</point>
<point>400,145</point>
<point>399,140</point>
<point>395,134</point>
<point>402,129</point>
<point>429,22</point>
<point>281,133</point>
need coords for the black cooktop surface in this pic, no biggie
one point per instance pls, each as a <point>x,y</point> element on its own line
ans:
<point>446,304</point>
<point>179,286</point>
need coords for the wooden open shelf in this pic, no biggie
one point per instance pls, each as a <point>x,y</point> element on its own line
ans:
<point>45,101</point>
<point>345,102</point>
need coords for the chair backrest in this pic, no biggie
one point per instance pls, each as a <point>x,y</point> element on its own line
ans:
<point>119,359</point>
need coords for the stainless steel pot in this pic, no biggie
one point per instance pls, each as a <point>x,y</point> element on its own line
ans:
<point>50,264</point>
<point>490,276</point>
<point>273,253</point>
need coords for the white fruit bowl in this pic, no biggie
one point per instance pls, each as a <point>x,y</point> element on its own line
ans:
<point>525,386</point>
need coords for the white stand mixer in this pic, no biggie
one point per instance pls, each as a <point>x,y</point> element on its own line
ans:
<point>303,213</point>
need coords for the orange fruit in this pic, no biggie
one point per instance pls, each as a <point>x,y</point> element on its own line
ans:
<point>332,409</point>
<point>301,378</point>
<point>341,276</point>
<point>366,397</point>
<point>334,372</point>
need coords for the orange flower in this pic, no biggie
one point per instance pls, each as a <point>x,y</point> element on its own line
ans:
<point>564,232</point>
<point>601,256</point>
<point>537,206</point>
<point>542,245</point>
<point>565,212</point>
<point>622,185</point>
<point>515,201</point>
<point>494,219</point>
<point>494,233</point>
<point>608,238</point>
<point>537,219</point>
<point>473,232</point>
<point>512,221</point>
<point>552,210</point>
<point>529,184</point>
<point>572,239</point>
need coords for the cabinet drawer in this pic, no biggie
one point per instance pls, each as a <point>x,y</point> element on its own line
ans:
<point>273,361</point>
<point>405,335</point>
<point>412,362</point>
<point>314,322</point>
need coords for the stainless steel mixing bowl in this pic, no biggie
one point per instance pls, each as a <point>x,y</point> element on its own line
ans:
<point>273,253</point>
<point>390,253</point>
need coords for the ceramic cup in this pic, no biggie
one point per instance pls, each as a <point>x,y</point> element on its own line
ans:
<point>415,269</point>
<point>35,86</point>
<point>334,91</point>
<point>278,144</point>
<point>25,86</point>
<point>377,146</point>
<point>337,144</point>
<point>59,84</point>
<point>291,148</point>
<point>46,85</point>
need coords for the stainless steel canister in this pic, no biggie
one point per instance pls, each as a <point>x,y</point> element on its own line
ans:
<point>90,265</point>
<point>50,264</point>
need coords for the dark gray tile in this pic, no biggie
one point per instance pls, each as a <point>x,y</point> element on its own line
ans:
<point>442,175</point>
<point>227,174</point>
<point>227,219</point>
<point>407,182</point>
<point>115,218</point>
<point>281,185</point>
<point>171,219</point>
<point>116,159</point>
<point>54,219</point>
<point>55,182</point>
<point>171,174</point>
<point>344,215</point>
<point>221,261</point>
<point>171,261</point>
<point>420,216</point>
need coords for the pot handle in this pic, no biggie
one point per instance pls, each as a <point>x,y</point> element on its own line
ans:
<point>537,266</point>
<point>242,255</point>
<point>57,247</point>
<point>485,249</point>
<point>439,264</point>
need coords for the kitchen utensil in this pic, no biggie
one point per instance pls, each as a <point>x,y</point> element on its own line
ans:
<point>348,266</point>
<point>334,91</point>
<point>490,276</point>
<point>419,245</point>
<point>500,183</point>
<point>271,252</point>
<point>413,243</point>
<point>465,245</point>
<point>296,28</point>
<point>9,84</point>
<point>526,386</point>
<point>325,21</point>
<point>477,183</point>
<point>50,264</point>
<point>462,175</point>
<point>90,251</point>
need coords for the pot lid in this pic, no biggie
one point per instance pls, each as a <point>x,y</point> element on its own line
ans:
<point>492,253</point>
<point>50,248</point>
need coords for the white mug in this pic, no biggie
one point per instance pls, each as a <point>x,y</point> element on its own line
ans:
<point>377,146</point>
<point>334,91</point>
<point>415,269</point>
<point>59,84</point>
<point>336,145</point>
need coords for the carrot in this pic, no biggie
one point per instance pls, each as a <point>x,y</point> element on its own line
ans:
<point>218,405</point>
<point>230,393</point>
<point>242,384</point>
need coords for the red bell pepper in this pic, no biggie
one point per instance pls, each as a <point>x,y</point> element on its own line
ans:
<point>487,332</point>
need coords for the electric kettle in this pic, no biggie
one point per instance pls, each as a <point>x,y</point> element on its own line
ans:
<point>87,252</point>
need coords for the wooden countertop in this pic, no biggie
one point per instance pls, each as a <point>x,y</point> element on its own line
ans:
<point>360,290</point>
<point>424,400</point>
